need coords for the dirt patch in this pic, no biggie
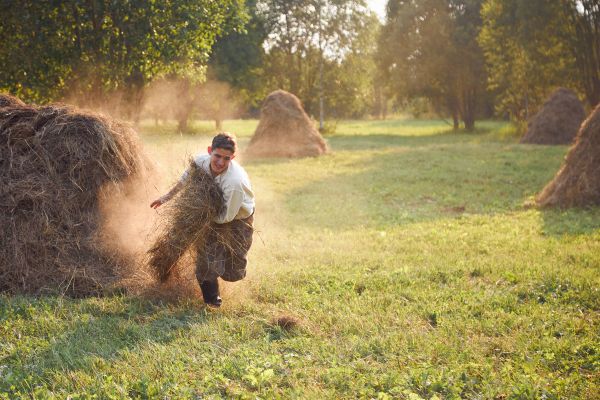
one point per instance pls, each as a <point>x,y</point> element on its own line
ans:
<point>57,163</point>
<point>577,183</point>
<point>286,322</point>
<point>455,209</point>
<point>284,130</point>
<point>558,120</point>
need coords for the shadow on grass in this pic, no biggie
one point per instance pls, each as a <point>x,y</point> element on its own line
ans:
<point>574,221</point>
<point>389,180</point>
<point>381,141</point>
<point>81,333</point>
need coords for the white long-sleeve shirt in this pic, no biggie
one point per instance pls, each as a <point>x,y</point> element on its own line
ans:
<point>235,184</point>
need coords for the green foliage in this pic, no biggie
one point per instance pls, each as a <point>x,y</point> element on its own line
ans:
<point>583,17</point>
<point>531,47</point>
<point>329,128</point>
<point>429,280</point>
<point>429,49</point>
<point>95,49</point>
<point>335,35</point>
<point>349,84</point>
<point>513,131</point>
<point>238,59</point>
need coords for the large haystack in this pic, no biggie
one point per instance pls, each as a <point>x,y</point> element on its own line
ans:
<point>558,120</point>
<point>285,130</point>
<point>55,164</point>
<point>577,183</point>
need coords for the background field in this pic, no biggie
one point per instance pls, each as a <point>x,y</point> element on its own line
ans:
<point>409,256</point>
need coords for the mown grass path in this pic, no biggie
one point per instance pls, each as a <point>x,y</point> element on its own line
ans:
<point>408,256</point>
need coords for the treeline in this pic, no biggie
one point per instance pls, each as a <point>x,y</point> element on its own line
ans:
<point>471,57</point>
<point>463,59</point>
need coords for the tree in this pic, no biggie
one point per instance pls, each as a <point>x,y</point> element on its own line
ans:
<point>429,49</point>
<point>526,53</point>
<point>33,49</point>
<point>584,43</point>
<point>96,49</point>
<point>349,84</point>
<point>310,39</point>
<point>238,57</point>
<point>532,47</point>
<point>216,101</point>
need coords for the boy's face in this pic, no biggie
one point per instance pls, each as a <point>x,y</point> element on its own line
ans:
<point>219,159</point>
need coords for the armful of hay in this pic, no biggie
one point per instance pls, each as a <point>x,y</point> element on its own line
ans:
<point>187,220</point>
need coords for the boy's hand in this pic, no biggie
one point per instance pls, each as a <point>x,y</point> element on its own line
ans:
<point>156,203</point>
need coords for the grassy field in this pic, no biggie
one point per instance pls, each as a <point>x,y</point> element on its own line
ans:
<point>408,256</point>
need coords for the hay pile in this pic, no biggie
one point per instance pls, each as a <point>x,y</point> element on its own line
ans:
<point>7,100</point>
<point>577,183</point>
<point>558,120</point>
<point>55,163</point>
<point>285,130</point>
<point>187,221</point>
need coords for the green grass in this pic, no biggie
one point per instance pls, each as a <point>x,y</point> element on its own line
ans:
<point>409,257</point>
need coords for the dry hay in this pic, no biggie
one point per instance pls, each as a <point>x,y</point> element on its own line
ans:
<point>577,183</point>
<point>55,164</point>
<point>558,120</point>
<point>186,222</point>
<point>285,130</point>
<point>6,100</point>
<point>286,322</point>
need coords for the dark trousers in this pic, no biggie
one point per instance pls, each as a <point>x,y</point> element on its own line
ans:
<point>225,251</point>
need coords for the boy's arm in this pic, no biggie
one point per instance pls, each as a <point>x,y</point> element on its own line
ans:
<point>163,199</point>
<point>233,203</point>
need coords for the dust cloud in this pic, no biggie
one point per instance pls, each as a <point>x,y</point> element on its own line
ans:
<point>162,100</point>
<point>128,226</point>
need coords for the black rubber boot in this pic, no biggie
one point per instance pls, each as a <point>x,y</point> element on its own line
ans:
<point>210,293</point>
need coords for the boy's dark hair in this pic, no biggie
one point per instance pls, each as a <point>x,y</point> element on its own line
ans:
<point>224,140</point>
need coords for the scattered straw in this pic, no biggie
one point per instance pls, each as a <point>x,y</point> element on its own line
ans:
<point>286,322</point>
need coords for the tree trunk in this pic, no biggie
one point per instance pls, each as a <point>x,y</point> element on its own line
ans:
<point>134,96</point>
<point>378,101</point>
<point>469,121</point>
<point>585,46</point>
<point>321,109</point>
<point>186,105</point>
<point>469,109</point>
<point>452,103</point>
<point>182,123</point>
<point>455,120</point>
<point>384,106</point>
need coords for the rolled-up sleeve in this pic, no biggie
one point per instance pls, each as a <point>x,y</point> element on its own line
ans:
<point>233,202</point>
<point>184,176</point>
<point>200,161</point>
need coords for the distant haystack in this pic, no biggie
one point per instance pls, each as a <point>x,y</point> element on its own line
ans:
<point>577,183</point>
<point>56,164</point>
<point>285,130</point>
<point>558,121</point>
